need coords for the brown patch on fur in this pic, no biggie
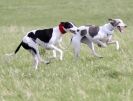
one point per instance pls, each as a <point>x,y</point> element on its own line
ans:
<point>83,32</point>
<point>93,30</point>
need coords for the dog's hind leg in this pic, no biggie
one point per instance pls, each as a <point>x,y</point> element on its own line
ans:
<point>75,41</point>
<point>54,53</point>
<point>90,44</point>
<point>76,49</point>
<point>36,59</point>
<point>93,50</point>
<point>33,49</point>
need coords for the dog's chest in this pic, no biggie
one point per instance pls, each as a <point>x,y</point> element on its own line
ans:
<point>55,37</point>
<point>103,36</point>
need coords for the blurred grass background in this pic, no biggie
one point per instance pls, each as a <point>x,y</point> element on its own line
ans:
<point>85,79</point>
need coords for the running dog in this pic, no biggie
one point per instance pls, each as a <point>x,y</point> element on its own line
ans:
<point>47,38</point>
<point>101,35</point>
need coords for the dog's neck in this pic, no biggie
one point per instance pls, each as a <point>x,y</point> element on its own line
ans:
<point>108,29</point>
<point>61,28</point>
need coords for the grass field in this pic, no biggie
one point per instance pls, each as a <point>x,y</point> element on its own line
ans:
<point>88,78</point>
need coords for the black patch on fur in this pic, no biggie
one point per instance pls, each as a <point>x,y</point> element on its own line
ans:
<point>44,35</point>
<point>114,23</point>
<point>32,35</point>
<point>83,32</point>
<point>93,30</point>
<point>67,25</point>
<point>27,47</point>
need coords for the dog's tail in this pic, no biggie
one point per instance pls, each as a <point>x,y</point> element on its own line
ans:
<point>17,49</point>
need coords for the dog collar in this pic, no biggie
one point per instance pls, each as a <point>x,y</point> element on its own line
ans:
<point>61,28</point>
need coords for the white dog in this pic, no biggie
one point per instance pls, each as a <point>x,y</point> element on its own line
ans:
<point>101,35</point>
<point>48,38</point>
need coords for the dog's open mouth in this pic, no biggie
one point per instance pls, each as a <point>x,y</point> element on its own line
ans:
<point>121,28</point>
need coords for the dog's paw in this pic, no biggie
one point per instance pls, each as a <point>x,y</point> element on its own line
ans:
<point>102,46</point>
<point>99,45</point>
<point>61,59</point>
<point>47,62</point>
<point>100,56</point>
<point>117,46</point>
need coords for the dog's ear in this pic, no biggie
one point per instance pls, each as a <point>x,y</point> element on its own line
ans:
<point>83,32</point>
<point>110,19</point>
<point>113,22</point>
<point>62,23</point>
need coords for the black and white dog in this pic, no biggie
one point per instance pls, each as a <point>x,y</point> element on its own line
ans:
<point>47,38</point>
<point>101,35</point>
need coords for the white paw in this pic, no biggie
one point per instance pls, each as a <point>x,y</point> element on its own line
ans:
<point>47,62</point>
<point>61,58</point>
<point>104,45</point>
<point>117,45</point>
<point>36,67</point>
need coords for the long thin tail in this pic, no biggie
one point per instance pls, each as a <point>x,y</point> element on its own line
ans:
<point>12,54</point>
<point>17,49</point>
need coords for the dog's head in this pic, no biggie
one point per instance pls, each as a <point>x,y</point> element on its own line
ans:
<point>68,26</point>
<point>118,23</point>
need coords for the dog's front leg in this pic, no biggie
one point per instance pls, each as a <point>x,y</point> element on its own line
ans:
<point>60,44</point>
<point>114,42</point>
<point>100,43</point>
<point>57,49</point>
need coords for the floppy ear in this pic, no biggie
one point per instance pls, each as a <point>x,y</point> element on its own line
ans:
<point>110,19</point>
<point>116,24</point>
<point>83,32</point>
<point>62,23</point>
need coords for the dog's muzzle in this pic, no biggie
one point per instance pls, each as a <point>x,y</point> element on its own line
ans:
<point>74,31</point>
<point>121,28</point>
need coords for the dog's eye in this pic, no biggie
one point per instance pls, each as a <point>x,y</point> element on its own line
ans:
<point>77,30</point>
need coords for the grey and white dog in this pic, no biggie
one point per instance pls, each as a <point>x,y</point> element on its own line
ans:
<point>100,35</point>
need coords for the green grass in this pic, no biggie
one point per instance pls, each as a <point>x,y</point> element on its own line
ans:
<point>85,79</point>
